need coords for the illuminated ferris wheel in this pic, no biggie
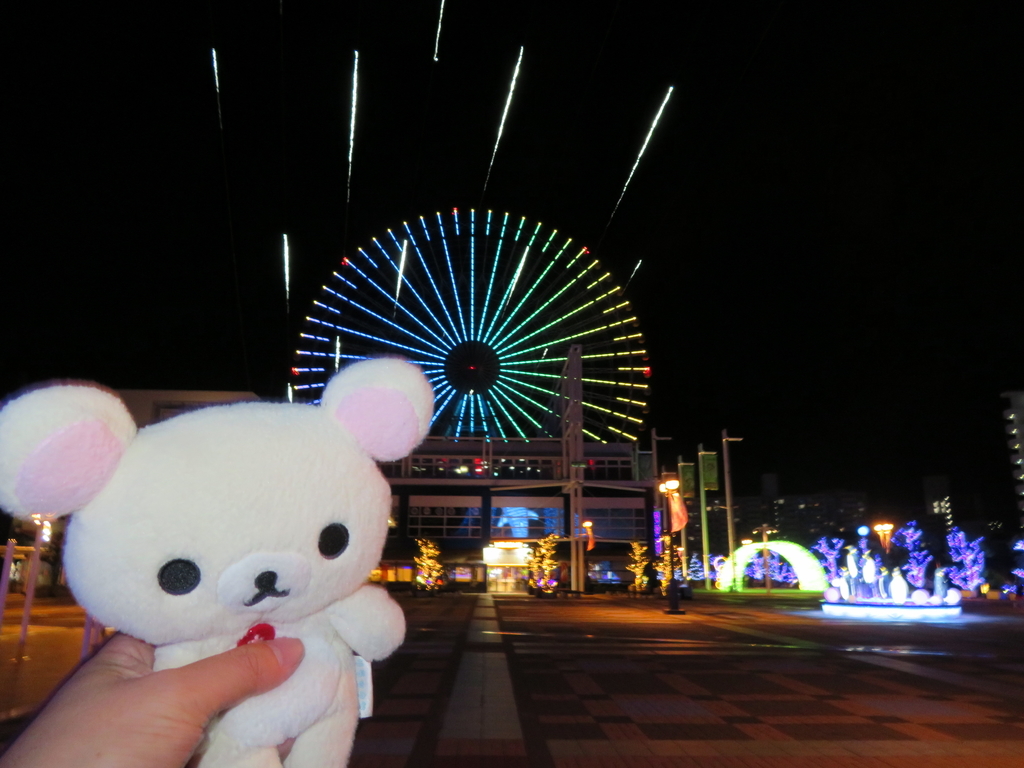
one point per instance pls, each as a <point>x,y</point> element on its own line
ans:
<point>488,305</point>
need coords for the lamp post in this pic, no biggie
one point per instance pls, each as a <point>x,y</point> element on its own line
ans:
<point>670,491</point>
<point>703,484</point>
<point>728,502</point>
<point>588,526</point>
<point>764,530</point>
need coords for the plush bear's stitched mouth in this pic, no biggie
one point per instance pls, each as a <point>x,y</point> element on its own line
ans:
<point>265,593</point>
<point>266,583</point>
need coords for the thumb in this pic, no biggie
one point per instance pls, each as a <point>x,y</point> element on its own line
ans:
<point>213,684</point>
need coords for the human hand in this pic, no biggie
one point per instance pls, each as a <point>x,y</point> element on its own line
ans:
<point>116,712</point>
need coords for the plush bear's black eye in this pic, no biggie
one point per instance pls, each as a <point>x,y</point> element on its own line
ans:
<point>333,540</point>
<point>178,577</point>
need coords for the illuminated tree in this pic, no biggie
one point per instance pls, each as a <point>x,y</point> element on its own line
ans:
<point>542,563</point>
<point>909,538</point>
<point>428,567</point>
<point>638,562</point>
<point>780,571</point>
<point>663,565</point>
<point>831,552</point>
<point>971,572</point>
<point>696,567</point>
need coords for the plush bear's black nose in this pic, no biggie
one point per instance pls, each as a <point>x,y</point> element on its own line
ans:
<point>267,581</point>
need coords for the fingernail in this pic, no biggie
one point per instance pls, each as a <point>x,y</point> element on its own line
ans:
<point>288,650</point>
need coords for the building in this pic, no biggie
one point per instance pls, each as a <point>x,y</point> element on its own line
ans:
<point>801,518</point>
<point>938,503</point>
<point>484,500</point>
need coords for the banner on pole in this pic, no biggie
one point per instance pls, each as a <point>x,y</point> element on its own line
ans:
<point>687,480</point>
<point>709,470</point>
<point>677,508</point>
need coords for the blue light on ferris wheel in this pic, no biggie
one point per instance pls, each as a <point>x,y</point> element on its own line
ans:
<point>488,308</point>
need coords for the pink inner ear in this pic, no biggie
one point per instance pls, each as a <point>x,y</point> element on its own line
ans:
<point>68,469</point>
<point>382,420</point>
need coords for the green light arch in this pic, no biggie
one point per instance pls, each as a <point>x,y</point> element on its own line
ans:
<point>808,570</point>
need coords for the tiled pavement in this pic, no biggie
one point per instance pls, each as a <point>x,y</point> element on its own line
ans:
<point>509,682</point>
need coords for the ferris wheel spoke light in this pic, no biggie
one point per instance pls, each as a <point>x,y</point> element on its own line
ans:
<point>628,353</point>
<point>494,271</point>
<point>575,336</point>
<point>430,276</point>
<point>634,419</point>
<point>541,308</point>
<point>631,402</point>
<point>560,320</point>
<point>462,413</point>
<point>380,289</point>
<point>540,279</point>
<point>451,273</point>
<point>382,319</point>
<point>524,396</point>
<point>515,424</point>
<point>440,408</point>
<point>514,404</point>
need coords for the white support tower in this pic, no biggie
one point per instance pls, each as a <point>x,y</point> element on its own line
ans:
<point>572,459</point>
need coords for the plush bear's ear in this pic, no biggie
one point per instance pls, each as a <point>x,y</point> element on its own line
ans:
<point>59,446</point>
<point>386,404</point>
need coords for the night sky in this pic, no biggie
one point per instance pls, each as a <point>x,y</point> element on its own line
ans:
<point>829,214</point>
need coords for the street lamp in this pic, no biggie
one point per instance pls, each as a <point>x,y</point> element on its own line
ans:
<point>589,526</point>
<point>884,531</point>
<point>669,489</point>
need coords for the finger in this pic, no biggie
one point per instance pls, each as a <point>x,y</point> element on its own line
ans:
<point>218,682</point>
<point>123,656</point>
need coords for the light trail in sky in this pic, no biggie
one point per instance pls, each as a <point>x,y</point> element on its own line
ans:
<point>437,38</point>
<point>504,114</point>
<point>401,272</point>
<point>216,86</point>
<point>287,276</point>
<point>650,133</point>
<point>638,263</point>
<point>352,125</point>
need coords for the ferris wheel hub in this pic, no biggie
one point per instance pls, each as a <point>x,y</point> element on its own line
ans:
<point>472,366</point>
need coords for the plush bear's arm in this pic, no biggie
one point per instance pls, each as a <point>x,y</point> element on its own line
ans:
<point>177,655</point>
<point>369,621</point>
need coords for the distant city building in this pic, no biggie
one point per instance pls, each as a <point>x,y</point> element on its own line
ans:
<point>801,518</point>
<point>1015,429</point>
<point>937,500</point>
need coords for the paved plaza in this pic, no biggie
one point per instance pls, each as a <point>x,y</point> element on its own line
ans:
<point>513,681</point>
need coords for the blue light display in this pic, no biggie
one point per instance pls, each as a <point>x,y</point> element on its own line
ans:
<point>488,305</point>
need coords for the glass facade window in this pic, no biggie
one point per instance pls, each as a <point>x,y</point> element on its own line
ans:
<point>527,468</point>
<point>625,523</point>
<point>444,522</point>
<point>608,469</point>
<point>454,467</point>
<point>390,468</point>
<point>527,519</point>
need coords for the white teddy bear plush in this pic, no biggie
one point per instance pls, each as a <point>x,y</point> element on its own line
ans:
<point>231,524</point>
